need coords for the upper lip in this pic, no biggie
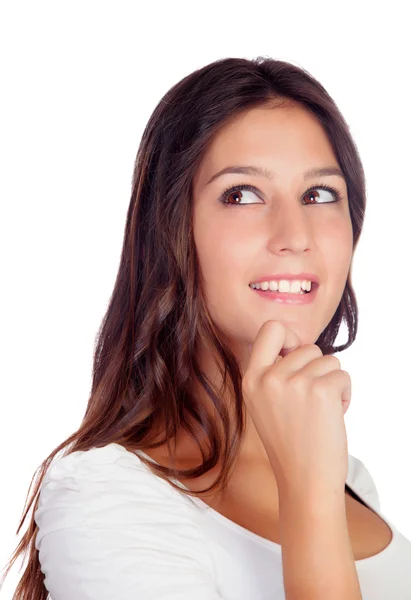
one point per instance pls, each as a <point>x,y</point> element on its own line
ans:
<point>290,276</point>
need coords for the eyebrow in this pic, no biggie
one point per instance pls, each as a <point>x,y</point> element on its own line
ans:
<point>263,172</point>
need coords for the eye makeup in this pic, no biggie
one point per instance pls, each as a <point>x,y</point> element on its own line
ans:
<point>244,186</point>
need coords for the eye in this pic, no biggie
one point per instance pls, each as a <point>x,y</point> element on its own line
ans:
<point>236,192</point>
<point>312,194</point>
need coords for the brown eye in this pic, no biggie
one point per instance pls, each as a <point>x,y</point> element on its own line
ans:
<point>235,196</point>
<point>313,195</point>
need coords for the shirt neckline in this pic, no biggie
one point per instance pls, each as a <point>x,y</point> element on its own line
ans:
<point>269,543</point>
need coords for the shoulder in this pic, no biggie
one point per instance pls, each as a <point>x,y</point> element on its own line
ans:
<point>107,524</point>
<point>361,481</point>
<point>84,482</point>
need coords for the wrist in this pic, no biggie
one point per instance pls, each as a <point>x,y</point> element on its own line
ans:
<point>321,500</point>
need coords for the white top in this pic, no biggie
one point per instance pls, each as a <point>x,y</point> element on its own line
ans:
<point>110,529</point>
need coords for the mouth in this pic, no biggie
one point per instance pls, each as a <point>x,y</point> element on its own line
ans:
<point>298,298</point>
<point>314,287</point>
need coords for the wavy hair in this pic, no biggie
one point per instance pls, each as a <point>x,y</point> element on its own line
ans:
<point>146,348</point>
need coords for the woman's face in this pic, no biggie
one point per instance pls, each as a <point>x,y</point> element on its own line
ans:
<point>276,228</point>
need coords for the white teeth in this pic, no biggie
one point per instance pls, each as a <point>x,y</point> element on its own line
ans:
<point>284,286</point>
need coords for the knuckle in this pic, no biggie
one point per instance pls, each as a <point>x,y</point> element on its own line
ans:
<point>301,382</point>
<point>316,350</point>
<point>321,386</point>
<point>346,375</point>
<point>311,351</point>
<point>271,380</point>
<point>334,361</point>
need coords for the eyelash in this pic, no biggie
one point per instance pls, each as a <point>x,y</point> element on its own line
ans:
<point>245,186</point>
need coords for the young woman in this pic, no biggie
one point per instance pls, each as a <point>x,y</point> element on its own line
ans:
<point>212,459</point>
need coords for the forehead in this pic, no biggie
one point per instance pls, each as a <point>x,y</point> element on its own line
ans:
<point>286,139</point>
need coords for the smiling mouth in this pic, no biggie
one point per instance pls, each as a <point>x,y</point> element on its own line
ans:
<point>314,286</point>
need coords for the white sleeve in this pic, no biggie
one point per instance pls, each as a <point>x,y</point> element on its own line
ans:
<point>362,481</point>
<point>110,529</point>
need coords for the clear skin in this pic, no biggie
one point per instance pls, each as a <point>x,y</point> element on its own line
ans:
<point>275,230</point>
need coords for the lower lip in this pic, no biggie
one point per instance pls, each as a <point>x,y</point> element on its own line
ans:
<point>288,298</point>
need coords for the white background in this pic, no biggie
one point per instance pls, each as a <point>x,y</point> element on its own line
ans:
<point>79,81</point>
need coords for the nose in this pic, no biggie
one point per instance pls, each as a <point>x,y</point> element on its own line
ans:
<point>289,227</point>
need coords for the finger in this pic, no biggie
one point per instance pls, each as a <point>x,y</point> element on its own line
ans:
<point>341,381</point>
<point>271,339</point>
<point>307,356</point>
<point>321,365</point>
<point>310,361</point>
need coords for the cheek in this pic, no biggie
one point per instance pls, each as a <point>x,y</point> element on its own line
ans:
<point>223,263</point>
<point>222,252</point>
<point>337,252</point>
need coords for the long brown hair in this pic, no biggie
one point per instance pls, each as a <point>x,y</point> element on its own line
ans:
<point>146,347</point>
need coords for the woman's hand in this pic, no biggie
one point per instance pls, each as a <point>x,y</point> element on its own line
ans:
<point>297,399</point>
